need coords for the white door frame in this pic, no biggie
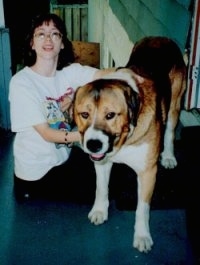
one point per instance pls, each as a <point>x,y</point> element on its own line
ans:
<point>2,19</point>
<point>192,99</point>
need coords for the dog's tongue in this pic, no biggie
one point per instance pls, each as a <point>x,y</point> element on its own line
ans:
<point>97,156</point>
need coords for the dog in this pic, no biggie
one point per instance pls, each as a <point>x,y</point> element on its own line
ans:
<point>125,117</point>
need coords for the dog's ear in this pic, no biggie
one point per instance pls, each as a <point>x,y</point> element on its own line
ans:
<point>131,91</point>
<point>133,103</point>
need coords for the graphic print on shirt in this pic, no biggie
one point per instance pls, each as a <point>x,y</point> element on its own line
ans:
<point>55,117</point>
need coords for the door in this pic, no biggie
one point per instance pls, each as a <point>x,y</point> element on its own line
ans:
<point>5,76</point>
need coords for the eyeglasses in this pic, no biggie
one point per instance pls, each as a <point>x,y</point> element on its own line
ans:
<point>54,35</point>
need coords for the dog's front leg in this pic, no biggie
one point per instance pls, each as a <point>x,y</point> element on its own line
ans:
<point>142,237</point>
<point>99,212</point>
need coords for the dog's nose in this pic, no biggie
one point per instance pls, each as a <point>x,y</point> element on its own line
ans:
<point>94,145</point>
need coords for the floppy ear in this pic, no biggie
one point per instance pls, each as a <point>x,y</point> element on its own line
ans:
<point>133,103</point>
<point>131,91</point>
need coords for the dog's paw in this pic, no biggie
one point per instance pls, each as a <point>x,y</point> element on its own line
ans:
<point>143,243</point>
<point>98,217</point>
<point>169,161</point>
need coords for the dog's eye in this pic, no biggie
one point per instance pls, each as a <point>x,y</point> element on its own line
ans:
<point>110,115</point>
<point>84,115</point>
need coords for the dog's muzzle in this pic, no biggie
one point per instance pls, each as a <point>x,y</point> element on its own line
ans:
<point>97,144</point>
<point>95,147</point>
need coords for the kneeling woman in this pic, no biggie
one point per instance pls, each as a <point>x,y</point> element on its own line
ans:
<point>40,97</point>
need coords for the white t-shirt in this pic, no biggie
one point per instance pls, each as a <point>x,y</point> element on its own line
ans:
<point>31,96</point>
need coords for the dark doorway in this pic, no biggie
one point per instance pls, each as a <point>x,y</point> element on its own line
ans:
<point>18,15</point>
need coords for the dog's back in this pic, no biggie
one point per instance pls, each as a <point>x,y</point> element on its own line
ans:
<point>154,57</point>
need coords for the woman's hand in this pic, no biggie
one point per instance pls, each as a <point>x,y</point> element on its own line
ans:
<point>65,103</point>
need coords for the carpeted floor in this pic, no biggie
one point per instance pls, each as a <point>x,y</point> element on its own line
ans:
<point>55,232</point>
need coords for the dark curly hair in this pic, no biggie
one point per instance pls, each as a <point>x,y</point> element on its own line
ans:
<point>66,55</point>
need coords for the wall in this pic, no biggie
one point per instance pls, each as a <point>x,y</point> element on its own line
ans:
<point>76,19</point>
<point>105,28</point>
<point>117,24</point>
<point>165,18</point>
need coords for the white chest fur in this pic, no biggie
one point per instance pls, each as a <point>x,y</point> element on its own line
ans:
<point>133,156</point>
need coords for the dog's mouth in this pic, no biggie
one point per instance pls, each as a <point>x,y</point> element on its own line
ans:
<point>96,149</point>
<point>97,157</point>
<point>98,144</point>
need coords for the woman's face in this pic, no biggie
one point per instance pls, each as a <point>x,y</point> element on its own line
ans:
<point>47,41</point>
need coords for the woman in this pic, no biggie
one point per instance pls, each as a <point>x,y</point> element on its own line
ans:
<point>40,97</point>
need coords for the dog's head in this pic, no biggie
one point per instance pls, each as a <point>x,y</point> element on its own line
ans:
<point>105,112</point>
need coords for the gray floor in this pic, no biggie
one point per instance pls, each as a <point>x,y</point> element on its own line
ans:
<point>59,233</point>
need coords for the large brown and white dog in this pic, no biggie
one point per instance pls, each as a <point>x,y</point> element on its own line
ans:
<point>123,118</point>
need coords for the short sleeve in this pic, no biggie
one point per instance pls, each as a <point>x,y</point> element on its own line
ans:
<point>25,105</point>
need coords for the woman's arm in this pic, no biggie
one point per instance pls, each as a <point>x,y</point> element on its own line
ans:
<point>67,100</point>
<point>57,136</point>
